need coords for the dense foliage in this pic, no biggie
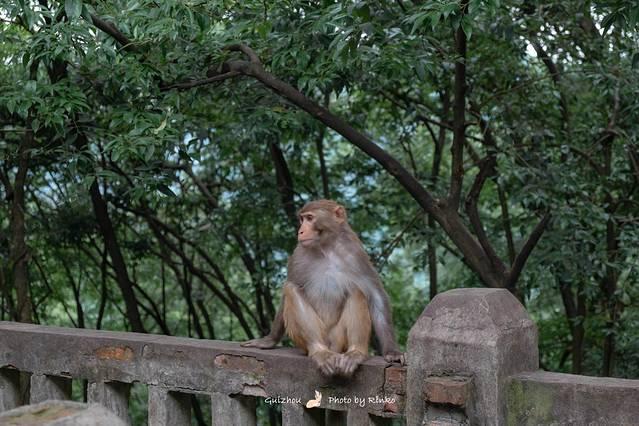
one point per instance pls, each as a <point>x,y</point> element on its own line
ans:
<point>150,173</point>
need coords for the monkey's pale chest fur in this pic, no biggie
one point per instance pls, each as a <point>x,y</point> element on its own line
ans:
<point>326,282</point>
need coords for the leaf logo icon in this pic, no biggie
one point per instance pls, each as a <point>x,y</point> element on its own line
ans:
<point>315,402</point>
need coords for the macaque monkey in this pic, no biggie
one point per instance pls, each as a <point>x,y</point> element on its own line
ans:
<point>332,297</point>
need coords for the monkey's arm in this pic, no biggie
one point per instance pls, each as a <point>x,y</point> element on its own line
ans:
<point>269,341</point>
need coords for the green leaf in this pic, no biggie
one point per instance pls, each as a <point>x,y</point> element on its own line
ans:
<point>116,154</point>
<point>419,68</point>
<point>148,152</point>
<point>608,21</point>
<point>86,13</point>
<point>166,190</point>
<point>30,86</point>
<point>635,60</point>
<point>362,10</point>
<point>73,8</point>
<point>434,19</point>
<point>467,27</point>
<point>184,156</point>
<point>418,20</point>
<point>161,126</point>
<point>264,28</point>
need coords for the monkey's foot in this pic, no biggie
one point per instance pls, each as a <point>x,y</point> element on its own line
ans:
<point>326,361</point>
<point>395,356</point>
<point>266,342</point>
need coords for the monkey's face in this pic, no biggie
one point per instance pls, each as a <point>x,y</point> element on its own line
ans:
<point>308,234</point>
<point>319,226</point>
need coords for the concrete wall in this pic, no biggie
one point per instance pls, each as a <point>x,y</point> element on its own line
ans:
<point>543,398</point>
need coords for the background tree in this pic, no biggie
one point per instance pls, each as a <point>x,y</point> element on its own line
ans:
<point>153,155</point>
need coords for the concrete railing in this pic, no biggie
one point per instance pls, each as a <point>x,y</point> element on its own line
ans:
<point>471,359</point>
<point>541,398</point>
<point>174,367</point>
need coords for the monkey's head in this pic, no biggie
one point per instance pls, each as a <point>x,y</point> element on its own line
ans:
<point>320,222</point>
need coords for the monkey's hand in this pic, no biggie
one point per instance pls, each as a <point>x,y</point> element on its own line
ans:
<point>395,356</point>
<point>348,363</point>
<point>326,361</point>
<point>266,342</point>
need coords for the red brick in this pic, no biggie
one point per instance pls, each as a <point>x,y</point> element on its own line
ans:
<point>453,390</point>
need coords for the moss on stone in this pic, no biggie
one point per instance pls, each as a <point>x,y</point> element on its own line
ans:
<point>528,405</point>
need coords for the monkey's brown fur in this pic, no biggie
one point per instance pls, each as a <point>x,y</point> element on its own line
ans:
<point>333,296</point>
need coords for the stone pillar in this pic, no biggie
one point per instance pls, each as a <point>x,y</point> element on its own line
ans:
<point>9,389</point>
<point>45,387</point>
<point>297,415</point>
<point>484,334</point>
<point>113,395</point>
<point>168,408</point>
<point>232,410</point>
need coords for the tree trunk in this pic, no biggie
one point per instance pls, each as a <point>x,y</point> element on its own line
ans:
<point>610,298</point>
<point>578,334</point>
<point>117,260</point>
<point>19,252</point>
<point>576,316</point>
<point>611,276</point>
<point>459,117</point>
<point>431,249</point>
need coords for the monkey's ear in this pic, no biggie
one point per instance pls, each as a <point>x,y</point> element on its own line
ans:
<point>340,214</point>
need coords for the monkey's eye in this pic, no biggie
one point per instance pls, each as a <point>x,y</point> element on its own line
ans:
<point>306,217</point>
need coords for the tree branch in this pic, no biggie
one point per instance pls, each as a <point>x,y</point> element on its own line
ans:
<point>284,181</point>
<point>633,158</point>
<point>596,167</point>
<point>202,82</point>
<point>363,142</point>
<point>421,117</point>
<point>486,170</point>
<point>380,260</point>
<point>555,74</point>
<point>448,218</point>
<point>111,30</point>
<point>505,216</point>
<point>319,144</point>
<point>524,253</point>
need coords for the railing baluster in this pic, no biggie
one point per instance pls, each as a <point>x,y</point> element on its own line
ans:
<point>295,414</point>
<point>363,418</point>
<point>379,421</point>
<point>357,418</point>
<point>9,389</point>
<point>168,408</point>
<point>113,395</point>
<point>44,387</point>
<point>335,417</point>
<point>232,410</point>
